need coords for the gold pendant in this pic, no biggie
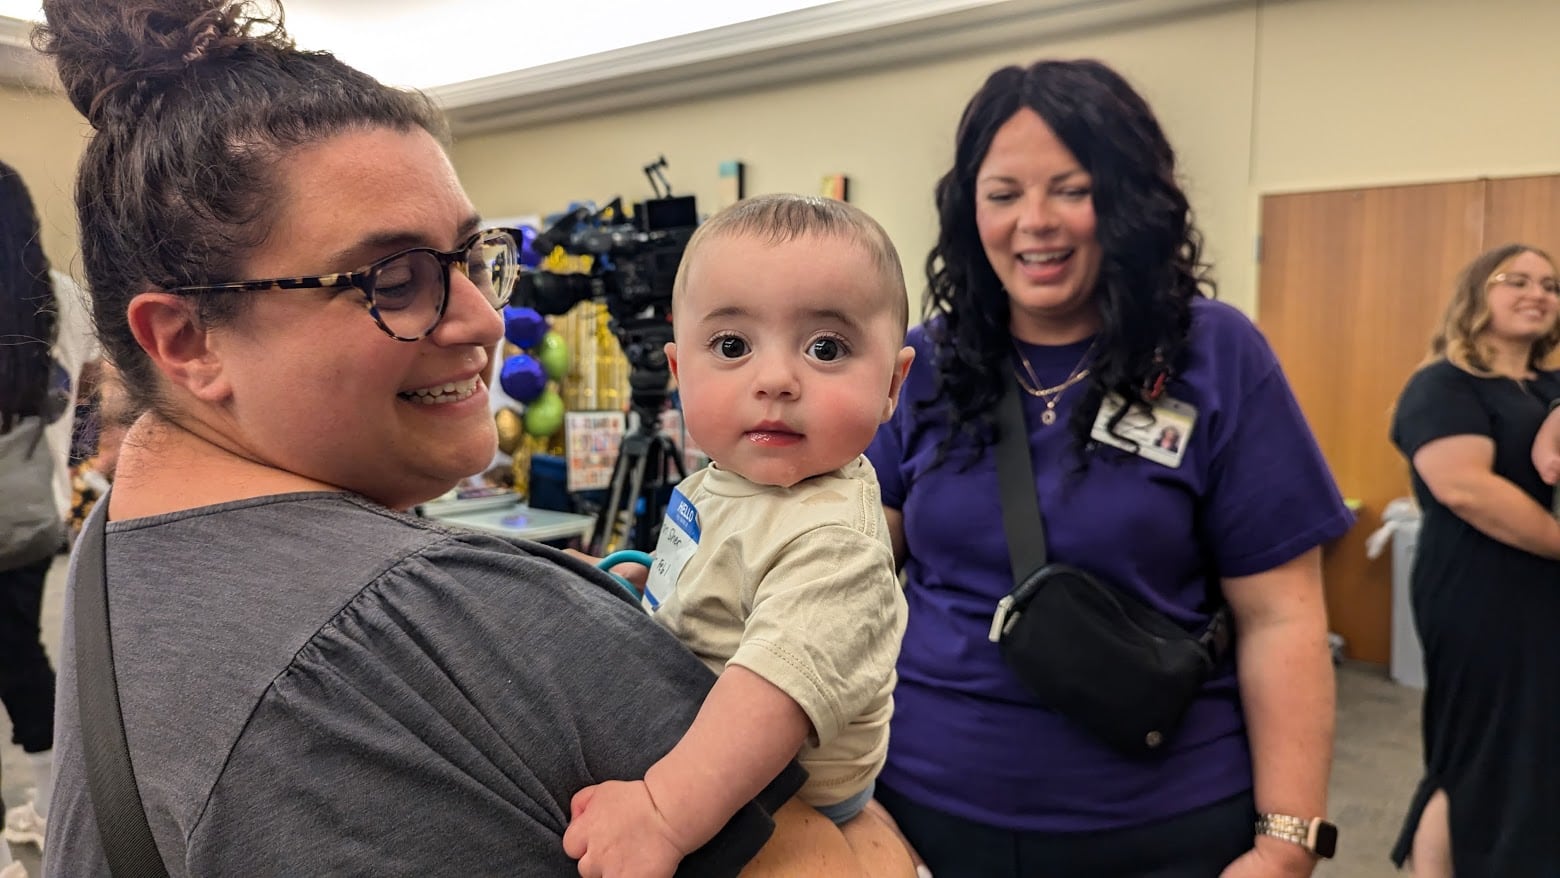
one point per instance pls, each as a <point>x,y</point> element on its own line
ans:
<point>1048,417</point>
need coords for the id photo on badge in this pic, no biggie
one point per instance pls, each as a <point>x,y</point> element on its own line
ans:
<point>1158,434</point>
<point>1165,436</point>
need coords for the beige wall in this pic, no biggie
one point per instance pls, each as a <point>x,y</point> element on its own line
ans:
<point>42,136</point>
<point>1367,92</point>
<point>891,132</point>
<point>1282,95</point>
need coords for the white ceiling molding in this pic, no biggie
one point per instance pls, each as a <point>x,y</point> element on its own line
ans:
<point>19,64</point>
<point>835,39</point>
<point>848,36</point>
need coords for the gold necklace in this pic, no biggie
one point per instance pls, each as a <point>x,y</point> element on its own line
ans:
<point>1053,394</point>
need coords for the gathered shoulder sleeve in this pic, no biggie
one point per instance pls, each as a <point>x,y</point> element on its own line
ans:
<point>443,720</point>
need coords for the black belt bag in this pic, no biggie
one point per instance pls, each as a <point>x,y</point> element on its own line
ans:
<point>1087,650</point>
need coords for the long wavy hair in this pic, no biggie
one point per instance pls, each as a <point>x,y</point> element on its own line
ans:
<point>1459,339</point>
<point>1151,265</point>
<point>27,306</point>
<point>194,104</point>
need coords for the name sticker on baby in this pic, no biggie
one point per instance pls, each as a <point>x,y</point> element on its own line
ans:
<point>1160,433</point>
<point>679,540</point>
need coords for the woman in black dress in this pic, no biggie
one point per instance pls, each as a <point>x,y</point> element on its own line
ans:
<point>1486,579</point>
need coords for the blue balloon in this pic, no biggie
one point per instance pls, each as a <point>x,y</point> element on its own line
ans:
<point>523,378</point>
<point>528,255</point>
<point>523,326</point>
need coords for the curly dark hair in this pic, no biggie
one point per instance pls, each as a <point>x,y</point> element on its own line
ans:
<point>27,306</point>
<point>194,103</point>
<point>1151,265</point>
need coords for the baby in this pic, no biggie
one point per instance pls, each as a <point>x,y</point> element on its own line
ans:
<point>774,564</point>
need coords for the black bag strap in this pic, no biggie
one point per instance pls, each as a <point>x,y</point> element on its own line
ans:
<point>1021,519</point>
<point>116,799</point>
<point>1025,528</point>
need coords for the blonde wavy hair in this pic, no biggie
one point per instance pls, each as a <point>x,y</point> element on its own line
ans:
<point>1459,339</point>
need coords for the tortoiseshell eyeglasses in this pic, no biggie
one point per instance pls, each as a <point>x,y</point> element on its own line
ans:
<point>408,292</point>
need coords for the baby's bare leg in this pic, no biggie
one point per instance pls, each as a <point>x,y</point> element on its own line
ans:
<point>878,844</point>
<point>806,843</point>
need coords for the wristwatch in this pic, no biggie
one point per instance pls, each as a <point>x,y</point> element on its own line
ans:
<point>1315,835</point>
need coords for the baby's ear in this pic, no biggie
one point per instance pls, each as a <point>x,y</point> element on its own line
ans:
<point>671,357</point>
<point>902,361</point>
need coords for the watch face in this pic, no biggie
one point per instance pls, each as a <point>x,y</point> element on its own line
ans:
<point>1326,837</point>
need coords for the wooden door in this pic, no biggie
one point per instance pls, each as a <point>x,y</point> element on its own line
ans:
<point>1352,286</point>
<point>1523,210</point>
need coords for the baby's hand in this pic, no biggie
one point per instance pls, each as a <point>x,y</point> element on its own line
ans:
<point>616,831</point>
<point>1546,449</point>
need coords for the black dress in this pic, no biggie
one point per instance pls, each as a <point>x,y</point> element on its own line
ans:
<point>1488,615</point>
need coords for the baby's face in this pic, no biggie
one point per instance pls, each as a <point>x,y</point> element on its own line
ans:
<point>788,356</point>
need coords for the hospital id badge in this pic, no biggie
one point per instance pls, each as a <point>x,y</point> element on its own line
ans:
<point>1160,432</point>
<point>678,542</point>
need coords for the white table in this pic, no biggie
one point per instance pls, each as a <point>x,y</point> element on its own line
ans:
<point>509,517</point>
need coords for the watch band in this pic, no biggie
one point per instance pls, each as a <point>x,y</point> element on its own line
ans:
<point>1315,835</point>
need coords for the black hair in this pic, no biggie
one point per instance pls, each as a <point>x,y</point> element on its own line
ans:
<point>194,102</point>
<point>27,306</point>
<point>1151,265</point>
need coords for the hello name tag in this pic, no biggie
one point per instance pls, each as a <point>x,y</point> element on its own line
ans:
<point>678,542</point>
<point>1160,433</point>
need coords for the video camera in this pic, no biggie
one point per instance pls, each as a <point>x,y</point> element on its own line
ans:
<point>632,266</point>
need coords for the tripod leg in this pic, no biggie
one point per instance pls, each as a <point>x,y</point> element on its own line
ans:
<point>602,539</point>
<point>674,454</point>
<point>661,458</point>
<point>640,474</point>
<point>642,539</point>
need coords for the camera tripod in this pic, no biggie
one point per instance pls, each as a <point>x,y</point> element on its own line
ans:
<point>645,460</point>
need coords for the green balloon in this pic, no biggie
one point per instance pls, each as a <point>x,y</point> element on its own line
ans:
<point>544,416</point>
<point>553,354</point>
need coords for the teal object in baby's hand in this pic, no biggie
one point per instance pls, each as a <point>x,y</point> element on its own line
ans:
<point>627,556</point>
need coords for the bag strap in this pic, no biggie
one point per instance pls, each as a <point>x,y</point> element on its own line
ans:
<point>1021,519</point>
<point>116,800</point>
<point>1025,528</point>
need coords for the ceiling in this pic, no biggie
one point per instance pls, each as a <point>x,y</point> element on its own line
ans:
<point>500,65</point>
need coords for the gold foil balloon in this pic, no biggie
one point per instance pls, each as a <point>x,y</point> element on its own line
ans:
<point>511,430</point>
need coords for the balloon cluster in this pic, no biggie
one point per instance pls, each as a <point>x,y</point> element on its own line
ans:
<point>529,377</point>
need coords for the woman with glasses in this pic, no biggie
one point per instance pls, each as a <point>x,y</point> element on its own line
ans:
<point>1486,577</point>
<point>301,302</point>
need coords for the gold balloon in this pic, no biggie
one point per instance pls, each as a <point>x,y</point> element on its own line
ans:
<point>511,430</point>
<point>510,349</point>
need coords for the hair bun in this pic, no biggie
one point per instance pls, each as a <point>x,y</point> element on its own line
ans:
<point>115,56</point>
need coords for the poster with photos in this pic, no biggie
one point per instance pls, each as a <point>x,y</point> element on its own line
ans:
<point>591,441</point>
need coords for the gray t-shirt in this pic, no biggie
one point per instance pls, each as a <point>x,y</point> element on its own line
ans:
<point>315,685</point>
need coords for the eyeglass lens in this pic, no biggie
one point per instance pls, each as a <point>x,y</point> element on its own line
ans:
<point>409,291</point>
<point>1518,280</point>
